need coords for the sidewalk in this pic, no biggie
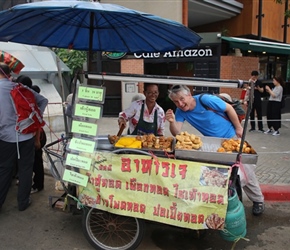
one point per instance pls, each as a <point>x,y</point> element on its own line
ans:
<point>273,166</point>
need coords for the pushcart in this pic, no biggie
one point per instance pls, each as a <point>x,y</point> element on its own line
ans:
<point>113,219</point>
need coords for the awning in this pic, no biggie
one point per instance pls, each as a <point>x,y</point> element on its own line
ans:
<point>258,45</point>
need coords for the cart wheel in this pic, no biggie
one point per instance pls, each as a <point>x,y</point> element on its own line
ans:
<point>107,231</point>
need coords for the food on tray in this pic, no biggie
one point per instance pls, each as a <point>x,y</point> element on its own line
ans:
<point>156,142</point>
<point>233,145</point>
<point>128,142</point>
<point>213,177</point>
<point>184,140</point>
<point>113,139</point>
<point>213,221</point>
<point>146,141</point>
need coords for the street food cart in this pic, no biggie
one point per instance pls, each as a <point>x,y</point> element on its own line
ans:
<point>123,180</point>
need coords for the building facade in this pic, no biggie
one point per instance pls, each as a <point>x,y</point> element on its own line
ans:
<point>238,37</point>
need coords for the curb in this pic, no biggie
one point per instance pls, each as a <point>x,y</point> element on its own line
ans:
<point>276,192</point>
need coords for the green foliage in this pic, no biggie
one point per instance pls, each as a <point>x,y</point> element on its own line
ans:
<point>74,59</point>
<point>287,12</point>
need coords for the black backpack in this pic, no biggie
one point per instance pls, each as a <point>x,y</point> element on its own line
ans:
<point>235,104</point>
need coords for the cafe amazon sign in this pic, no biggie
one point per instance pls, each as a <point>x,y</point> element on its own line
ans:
<point>189,53</point>
<point>177,54</point>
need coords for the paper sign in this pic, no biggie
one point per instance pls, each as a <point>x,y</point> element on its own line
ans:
<point>87,111</point>
<point>86,128</point>
<point>78,161</point>
<point>176,192</point>
<point>82,145</point>
<point>76,178</point>
<point>91,93</point>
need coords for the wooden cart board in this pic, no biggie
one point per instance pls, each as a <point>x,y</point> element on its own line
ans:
<point>208,153</point>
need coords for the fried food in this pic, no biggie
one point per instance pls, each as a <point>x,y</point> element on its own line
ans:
<point>184,140</point>
<point>214,178</point>
<point>213,221</point>
<point>113,139</point>
<point>233,145</point>
<point>151,141</point>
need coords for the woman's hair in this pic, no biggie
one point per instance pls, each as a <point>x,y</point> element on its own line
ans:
<point>280,80</point>
<point>175,89</point>
<point>149,84</point>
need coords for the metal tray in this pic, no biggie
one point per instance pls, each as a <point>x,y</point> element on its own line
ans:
<point>208,153</point>
<point>103,143</point>
<point>159,152</point>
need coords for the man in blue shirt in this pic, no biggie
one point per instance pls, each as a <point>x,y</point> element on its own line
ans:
<point>218,120</point>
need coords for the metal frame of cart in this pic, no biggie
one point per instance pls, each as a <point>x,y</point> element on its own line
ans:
<point>108,230</point>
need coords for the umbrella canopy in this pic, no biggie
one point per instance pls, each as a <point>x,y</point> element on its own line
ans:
<point>39,61</point>
<point>14,64</point>
<point>93,26</point>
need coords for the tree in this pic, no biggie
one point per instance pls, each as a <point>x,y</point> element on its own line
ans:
<point>74,59</point>
<point>287,11</point>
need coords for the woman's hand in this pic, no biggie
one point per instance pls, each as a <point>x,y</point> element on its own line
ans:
<point>121,121</point>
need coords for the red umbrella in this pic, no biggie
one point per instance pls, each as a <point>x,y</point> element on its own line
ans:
<point>14,64</point>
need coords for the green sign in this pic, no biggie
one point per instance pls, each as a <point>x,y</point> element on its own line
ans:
<point>86,128</point>
<point>82,145</point>
<point>78,161</point>
<point>89,111</point>
<point>76,178</point>
<point>114,55</point>
<point>96,94</point>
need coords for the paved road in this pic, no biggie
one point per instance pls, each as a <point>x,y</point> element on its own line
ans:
<point>41,228</point>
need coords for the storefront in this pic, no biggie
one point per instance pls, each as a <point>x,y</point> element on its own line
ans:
<point>216,57</point>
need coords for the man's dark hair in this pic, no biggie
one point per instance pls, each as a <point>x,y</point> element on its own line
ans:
<point>255,73</point>
<point>4,69</point>
<point>35,88</point>
<point>25,80</point>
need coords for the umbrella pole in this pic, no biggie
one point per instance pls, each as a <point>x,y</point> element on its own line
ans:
<point>90,52</point>
<point>62,92</point>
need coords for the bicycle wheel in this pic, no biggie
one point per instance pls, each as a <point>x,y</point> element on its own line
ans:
<point>107,231</point>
